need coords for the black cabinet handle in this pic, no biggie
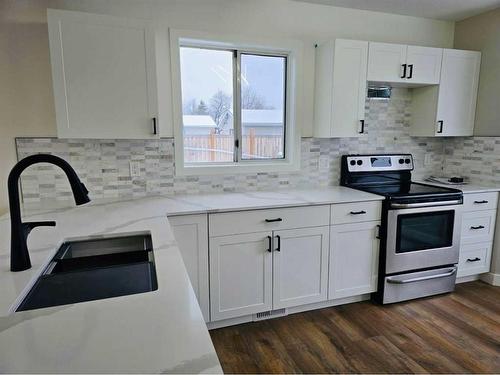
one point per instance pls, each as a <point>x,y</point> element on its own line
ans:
<point>362,126</point>
<point>440,129</point>
<point>270,244</point>
<point>378,232</point>
<point>274,220</point>
<point>155,130</point>
<point>410,75</point>
<point>478,227</point>
<point>404,71</point>
<point>480,202</point>
<point>279,243</point>
<point>358,212</point>
<point>476,259</point>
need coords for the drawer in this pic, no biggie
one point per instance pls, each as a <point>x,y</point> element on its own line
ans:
<point>474,259</point>
<point>346,213</point>
<point>480,201</point>
<point>478,226</point>
<point>267,220</point>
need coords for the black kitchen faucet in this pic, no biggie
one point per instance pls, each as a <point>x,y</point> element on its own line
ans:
<point>19,256</point>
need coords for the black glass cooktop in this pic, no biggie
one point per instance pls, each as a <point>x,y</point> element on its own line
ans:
<point>408,189</point>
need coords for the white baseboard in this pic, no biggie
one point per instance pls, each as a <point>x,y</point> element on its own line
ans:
<point>491,278</point>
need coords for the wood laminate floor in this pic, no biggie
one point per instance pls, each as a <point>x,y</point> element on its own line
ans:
<point>452,333</point>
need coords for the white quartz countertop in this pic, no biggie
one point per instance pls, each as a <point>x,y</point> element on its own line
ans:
<point>159,331</point>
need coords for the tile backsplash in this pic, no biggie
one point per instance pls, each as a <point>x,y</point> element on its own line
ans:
<point>103,165</point>
<point>476,157</point>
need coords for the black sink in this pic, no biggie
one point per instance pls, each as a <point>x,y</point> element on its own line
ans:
<point>93,269</point>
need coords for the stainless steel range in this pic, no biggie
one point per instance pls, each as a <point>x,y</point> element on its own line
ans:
<point>420,234</point>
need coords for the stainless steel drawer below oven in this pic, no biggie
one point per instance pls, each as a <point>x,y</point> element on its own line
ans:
<point>419,284</point>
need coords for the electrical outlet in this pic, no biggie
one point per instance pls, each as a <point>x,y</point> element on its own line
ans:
<point>324,162</point>
<point>427,159</point>
<point>135,169</point>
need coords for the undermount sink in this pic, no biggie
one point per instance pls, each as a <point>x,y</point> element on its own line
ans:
<point>92,269</point>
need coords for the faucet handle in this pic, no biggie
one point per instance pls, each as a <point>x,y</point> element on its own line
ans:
<point>33,224</point>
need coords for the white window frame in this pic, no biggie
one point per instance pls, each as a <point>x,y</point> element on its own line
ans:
<point>291,49</point>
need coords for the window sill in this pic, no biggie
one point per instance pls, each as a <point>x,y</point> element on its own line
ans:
<point>241,168</point>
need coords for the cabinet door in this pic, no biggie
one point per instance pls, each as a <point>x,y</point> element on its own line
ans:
<point>458,93</point>
<point>424,64</point>
<point>385,62</point>
<point>103,71</point>
<point>349,88</point>
<point>240,275</point>
<point>354,250</point>
<point>191,235</point>
<point>300,266</point>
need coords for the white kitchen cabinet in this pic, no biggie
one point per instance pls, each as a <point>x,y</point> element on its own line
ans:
<point>104,76</point>
<point>423,65</point>
<point>191,235</point>
<point>385,62</point>
<point>354,252</point>
<point>448,109</point>
<point>300,266</point>
<point>340,88</point>
<point>240,275</point>
<point>404,65</point>
<point>477,233</point>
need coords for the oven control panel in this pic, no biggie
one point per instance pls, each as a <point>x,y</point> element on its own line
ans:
<point>379,163</point>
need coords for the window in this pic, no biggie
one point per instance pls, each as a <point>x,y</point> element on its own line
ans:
<point>233,105</point>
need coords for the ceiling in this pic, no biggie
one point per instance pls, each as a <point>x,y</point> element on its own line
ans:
<point>449,10</point>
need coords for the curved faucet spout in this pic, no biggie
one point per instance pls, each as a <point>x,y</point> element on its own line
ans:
<point>19,256</point>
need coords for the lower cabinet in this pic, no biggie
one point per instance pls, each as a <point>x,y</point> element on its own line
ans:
<point>300,266</point>
<point>256,272</point>
<point>191,234</point>
<point>241,269</point>
<point>354,252</point>
<point>477,233</point>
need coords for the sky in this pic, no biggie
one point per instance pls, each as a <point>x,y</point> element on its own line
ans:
<point>204,72</point>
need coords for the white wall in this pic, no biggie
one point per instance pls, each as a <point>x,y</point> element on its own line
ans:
<point>482,33</point>
<point>26,99</point>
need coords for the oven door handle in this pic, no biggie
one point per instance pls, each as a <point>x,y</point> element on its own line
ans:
<point>423,278</point>
<point>426,204</point>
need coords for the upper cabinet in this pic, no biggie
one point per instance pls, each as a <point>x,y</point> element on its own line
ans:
<point>449,109</point>
<point>404,65</point>
<point>340,91</point>
<point>104,77</point>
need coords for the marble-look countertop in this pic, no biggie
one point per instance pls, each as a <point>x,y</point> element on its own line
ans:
<point>159,331</point>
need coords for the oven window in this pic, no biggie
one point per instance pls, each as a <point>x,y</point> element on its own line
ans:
<point>422,231</point>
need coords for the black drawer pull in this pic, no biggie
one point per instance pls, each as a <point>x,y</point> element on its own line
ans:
<point>480,202</point>
<point>274,220</point>
<point>358,212</point>
<point>478,227</point>
<point>270,244</point>
<point>476,259</point>
<point>379,229</point>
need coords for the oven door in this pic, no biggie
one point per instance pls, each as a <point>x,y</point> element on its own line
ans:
<point>420,238</point>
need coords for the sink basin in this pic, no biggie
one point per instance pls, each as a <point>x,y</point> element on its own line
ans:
<point>92,269</point>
